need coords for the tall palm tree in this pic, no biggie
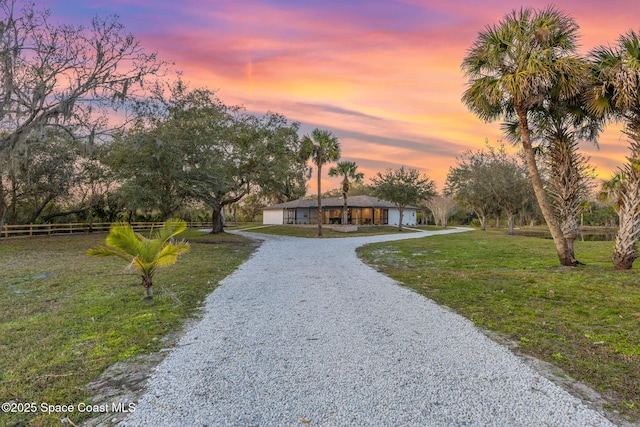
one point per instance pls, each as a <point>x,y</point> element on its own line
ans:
<point>512,68</point>
<point>616,95</point>
<point>348,170</point>
<point>322,147</point>
<point>145,254</point>
<point>560,124</point>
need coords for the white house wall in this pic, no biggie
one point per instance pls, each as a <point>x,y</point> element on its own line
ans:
<point>408,216</point>
<point>272,216</point>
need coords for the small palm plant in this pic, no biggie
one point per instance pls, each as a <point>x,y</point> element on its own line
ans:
<point>146,254</point>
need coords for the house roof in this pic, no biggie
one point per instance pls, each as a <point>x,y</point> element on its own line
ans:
<point>336,202</point>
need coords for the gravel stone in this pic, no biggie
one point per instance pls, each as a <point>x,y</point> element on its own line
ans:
<point>304,333</point>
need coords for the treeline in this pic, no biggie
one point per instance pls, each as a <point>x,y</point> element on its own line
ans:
<point>490,185</point>
<point>94,130</point>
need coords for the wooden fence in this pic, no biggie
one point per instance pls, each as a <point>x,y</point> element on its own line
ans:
<point>26,230</point>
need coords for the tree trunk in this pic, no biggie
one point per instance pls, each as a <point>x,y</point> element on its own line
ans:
<point>345,193</point>
<point>3,209</point>
<point>483,220</point>
<point>319,201</point>
<point>401,211</point>
<point>217,218</point>
<point>345,216</point>
<point>560,242</point>
<point>49,217</point>
<point>510,223</point>
<point>235,216</point>
<point>570,231</point>
<point>14,204</point>
<point>148,292</point>
<point>624,252</point>
<point>38,210</point>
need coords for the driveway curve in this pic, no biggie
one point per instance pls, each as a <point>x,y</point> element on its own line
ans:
<point>304,333</point>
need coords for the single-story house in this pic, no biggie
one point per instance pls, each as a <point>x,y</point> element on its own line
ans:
<point>362,210</point>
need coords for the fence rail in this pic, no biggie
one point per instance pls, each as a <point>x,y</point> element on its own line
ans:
<point>27,230</point>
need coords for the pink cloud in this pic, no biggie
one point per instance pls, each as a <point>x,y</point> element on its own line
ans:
<point>385,75</point>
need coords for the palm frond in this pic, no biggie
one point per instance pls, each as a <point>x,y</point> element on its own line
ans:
<point>122,237</point>
<point>170,253</point>
<point>171,228</point>
<point>102,251</point>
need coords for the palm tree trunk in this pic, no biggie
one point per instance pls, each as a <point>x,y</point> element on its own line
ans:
<point>319,201</point>
<point>345,193</point>
<point>624,252</point>
<point>148,292</point>
<point>344,209</point>
<point>570,231</point>
<point>554,227</point>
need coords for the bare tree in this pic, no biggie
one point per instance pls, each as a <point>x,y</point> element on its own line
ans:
<point>63,76</point>
<point>442,208</point>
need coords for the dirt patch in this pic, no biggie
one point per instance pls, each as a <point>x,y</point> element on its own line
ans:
<point>125,382</point>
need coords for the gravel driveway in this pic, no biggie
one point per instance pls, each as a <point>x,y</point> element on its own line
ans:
<point>304,333</point>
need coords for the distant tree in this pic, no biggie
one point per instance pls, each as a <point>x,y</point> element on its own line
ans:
<point>490,181</point>
<point>512,68</point>
<point>616,95</point>
<point>470,183</point>
<point>149,163</point>
<point>402,187</point>
<point>145,254</point>
<point>442,208</point>
<point>63,76</point>
<point>39,176</point>
<point>347,170</point>
<point>321,147</point>
<point>51,177</point>
<point>509,182</point>
<point>251,207</point>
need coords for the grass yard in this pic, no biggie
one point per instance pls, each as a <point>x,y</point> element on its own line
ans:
<point>585,320</point>
<point>65,317</point>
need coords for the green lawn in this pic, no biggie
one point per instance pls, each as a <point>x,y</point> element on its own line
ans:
<point>65,317</point>
<point>585,320</point>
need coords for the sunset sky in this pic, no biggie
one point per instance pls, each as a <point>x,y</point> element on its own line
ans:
<point>384,76</point>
